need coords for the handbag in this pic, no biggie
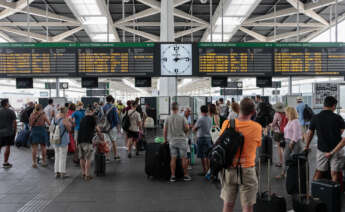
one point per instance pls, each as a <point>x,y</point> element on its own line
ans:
<point>215,132</point>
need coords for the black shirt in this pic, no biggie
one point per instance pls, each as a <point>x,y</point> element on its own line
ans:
<point>328,126</point>
<point>87,129</point>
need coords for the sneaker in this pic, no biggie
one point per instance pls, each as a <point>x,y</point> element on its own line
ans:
<point>137,153</point>
<point>7,165</point>
<point>172,179</point>
<point>189,167</point>
<point>117,158</point>
<point>129,155</point>
<point>57,175</point>
<point>107,160</point>
<point>187,178</point>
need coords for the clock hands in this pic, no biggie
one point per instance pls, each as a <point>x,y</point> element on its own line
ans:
<point>181,58</point>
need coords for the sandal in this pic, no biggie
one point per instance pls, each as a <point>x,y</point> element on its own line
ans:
<point>279,165</point>
<point>44,164</point>
<point>34,166</point>
<point>88,178</point>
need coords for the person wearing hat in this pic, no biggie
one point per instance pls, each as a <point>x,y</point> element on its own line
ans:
<point>278,124</point>
<point>77,116</point>
<point>300,108</point>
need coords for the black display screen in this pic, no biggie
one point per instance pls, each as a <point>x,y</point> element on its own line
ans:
<point>24,83</point>
<point>89,82</point>
<point>143,82</point>
<point>219,82</point>
<point>264,82</point>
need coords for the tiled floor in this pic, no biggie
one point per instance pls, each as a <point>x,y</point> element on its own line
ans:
<point>124,189</point>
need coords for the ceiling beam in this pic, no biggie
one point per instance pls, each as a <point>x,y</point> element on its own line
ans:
<point>151,3</point>
<point>38,24</point>
<point>277,14</point>
<point>319,4</point>
<point>180,2</point>
<point>272,24</point>
<point>66,34</point>
<point>181,14</point>
<point>297,4</point>
<point>146,35</point>
<point>142,14</point>
<point>189,31</point>
<point>6,37</point>
<point>254,34</point>
<point>157,24</point>
<point>286,35</point>
<point>105,11</point>
<point>36,36</point>
<point>16,7</point>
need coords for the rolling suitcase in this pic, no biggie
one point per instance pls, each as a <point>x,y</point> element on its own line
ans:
<point>266,149</point>
<point>266,201</point>
<point>157,161</point>
<point>328,192</point>
<point>100,165</point>
<point>292,176</point>
<point>22,138</point>
<point>304,202</point>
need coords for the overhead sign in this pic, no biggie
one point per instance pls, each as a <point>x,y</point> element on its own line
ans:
<point>52,85</point>
<point>143,82</point>
<point>219,82</point>
<point>235,84</point>
<point>276,92</point>
<point>100,93</point>
<point>276,84</point>
<point>231,92</point>
<point>264,82</point>
<point>89,82</point>
<point>24,83</point>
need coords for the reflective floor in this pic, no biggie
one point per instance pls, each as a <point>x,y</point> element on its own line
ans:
<point>125,188</point>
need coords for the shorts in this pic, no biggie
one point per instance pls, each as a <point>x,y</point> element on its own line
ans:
<point>85,151</point>
<point>7,141</point>
<point>132,134</point>
<point>335,162</point>
<point>204,146</point>
<point>178,149</point>
<point>112,134</point>
<point>231,185</point>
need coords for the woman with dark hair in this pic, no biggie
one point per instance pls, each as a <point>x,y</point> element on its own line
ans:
<point>39,135</point>
<point>214,116</point>
<point>235,111</point>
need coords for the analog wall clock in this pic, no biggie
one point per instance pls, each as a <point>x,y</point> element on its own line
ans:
<point>176,59</point>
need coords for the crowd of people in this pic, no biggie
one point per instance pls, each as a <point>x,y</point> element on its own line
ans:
<point>78,125</point>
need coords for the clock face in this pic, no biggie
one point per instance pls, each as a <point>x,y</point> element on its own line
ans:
<point>176,59</point>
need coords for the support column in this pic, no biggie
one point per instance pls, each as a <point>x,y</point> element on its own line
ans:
<point>168,85</point>
<point>290,86</point>
<point>57,87</point>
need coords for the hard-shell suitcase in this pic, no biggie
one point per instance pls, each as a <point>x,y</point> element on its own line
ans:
<point>266,148</point>
<point>328,192</point>
<point>266,201</point>
<point>292,176</point>
<point>100,165</point>
<point>304,202</point>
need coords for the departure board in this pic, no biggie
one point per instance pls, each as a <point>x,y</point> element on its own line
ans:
<point>237,59</point>
<point>116,59</point>
<point>309,59</point>
<point>37,60</point>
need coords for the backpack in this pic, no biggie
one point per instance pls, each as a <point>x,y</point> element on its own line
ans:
<point>224,151</point>
<point>307,113</point>
<point>265,114</point>
<point>24,116</point>
<point>126,122</point>
<point>106,121</point>
<point>283,122</point>
<point>55,132</point>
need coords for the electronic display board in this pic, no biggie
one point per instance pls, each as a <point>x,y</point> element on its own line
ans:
<point>309,59</point>
<point>89,82</point>
<point>37,60</point>
<point>143,82</point>
<point>116,59</point>
<point>237,59</point>
<point>219,82</point>
<point>264,82</point>
<point>24,83</point>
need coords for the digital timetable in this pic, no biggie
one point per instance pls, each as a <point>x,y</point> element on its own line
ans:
<point>37,59</point>
<point>234,59</point>
<point>18,60</point>
<point>116,59</point>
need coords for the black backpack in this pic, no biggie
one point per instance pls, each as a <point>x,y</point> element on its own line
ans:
<point>24,114</point>
<point>126,123</point>
<point>225,149</point>
<point>265,114</point>
<point>307,113</point>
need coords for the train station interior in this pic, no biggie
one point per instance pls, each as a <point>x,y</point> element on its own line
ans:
<point>126,105</point>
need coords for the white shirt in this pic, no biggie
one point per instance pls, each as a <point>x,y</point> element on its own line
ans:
<point>48,110</point>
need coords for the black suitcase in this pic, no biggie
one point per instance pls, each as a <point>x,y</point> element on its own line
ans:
<point>100,164</point>
<point>292,174</point>
<point>304,202</point>
<point>157,162</point>
<point>328,192</point>
<point>266,148</point>
<point>266,201</point>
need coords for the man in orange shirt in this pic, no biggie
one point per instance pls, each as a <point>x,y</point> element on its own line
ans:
<point>231,183</point>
